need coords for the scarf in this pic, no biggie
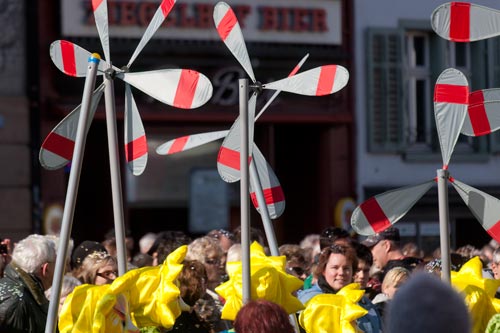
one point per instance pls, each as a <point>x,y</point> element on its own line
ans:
<point>324,286</point>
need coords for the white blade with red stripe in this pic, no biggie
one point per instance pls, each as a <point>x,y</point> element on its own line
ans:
<point>136,145</point>
<point>195,140</point>
<point>72,59</point>
<point>157,20</point>
<point>277,92</point>
<point>383,210</point>
<point>57,148</point>
<point>229,31</point>
<point>319,81</point>
<point>451,99</point>
<point>465,22</point>
<point>228,160</point>
<point>100,8</point>
<point>271,187</point>
<point>483,206</point>
<point>182,88</point>
<point>188,142</point>
<point>483,113</point>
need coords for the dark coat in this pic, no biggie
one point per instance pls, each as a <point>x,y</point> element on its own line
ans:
<point>23,306</point>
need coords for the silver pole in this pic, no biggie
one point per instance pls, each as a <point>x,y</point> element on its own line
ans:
<point>444,219</point>
<point>264,213</point>
<point>244,197</point>
<point>71,193</point>
<point>114,166</point>
<point>268,225</point>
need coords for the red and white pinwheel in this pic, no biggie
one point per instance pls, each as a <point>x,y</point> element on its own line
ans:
<point>323,80</point>
<point>181,88</point>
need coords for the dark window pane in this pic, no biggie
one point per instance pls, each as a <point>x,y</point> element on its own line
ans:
<point>419,49</point>
<point>421,110</point>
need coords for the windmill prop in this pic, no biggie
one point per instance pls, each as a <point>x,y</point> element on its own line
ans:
<point>176,87</point>
<point>234,157</point>
<point>456,111</point>
<point>275,198</point>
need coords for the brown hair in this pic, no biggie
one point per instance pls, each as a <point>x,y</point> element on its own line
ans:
<point>192,280</point>
<point>262,316</point>
<point>348,252</point>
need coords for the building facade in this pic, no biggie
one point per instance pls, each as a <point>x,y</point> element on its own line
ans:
<point>398,60</point>
<point>19,190</point>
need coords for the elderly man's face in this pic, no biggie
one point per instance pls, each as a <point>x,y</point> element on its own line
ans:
<point>379,253</point>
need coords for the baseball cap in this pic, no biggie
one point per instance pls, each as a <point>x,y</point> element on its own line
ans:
<point>391,233</point>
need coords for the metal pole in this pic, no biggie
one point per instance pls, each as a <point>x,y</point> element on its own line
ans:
<point>244,197</point>
<point>442,176</point>
<point>71,193</point>
<point>264,213</point>
<point>268,225</point>
<point>114,166</point>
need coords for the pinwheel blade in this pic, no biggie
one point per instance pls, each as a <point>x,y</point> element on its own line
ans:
<point>57,149</point>
<point>100,8</point>
<point>182,88</point>
<point>483,206</point>
<point>72,59</point>
<point>157,20</point>
<point>318,81</point>
<point>483,113</point>
<point>383,210</point>
<point>277,92</point>
<point>228,160</point>
<point>271,187</point>
<point>465,22</point>
<point>189,142</point>
<point>451,99</point>
<point>229,31</point>
<point>136,145</point>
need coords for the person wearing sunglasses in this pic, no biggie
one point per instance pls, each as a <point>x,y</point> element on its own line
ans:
<point>296,263</point>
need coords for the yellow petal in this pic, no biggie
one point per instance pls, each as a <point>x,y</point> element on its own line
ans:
<point>333,312</point>
<point>269,281</point>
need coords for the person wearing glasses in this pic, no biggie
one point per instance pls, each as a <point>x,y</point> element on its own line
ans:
<point>98,268</point>
<point>207,250</point>
<point>296,263</point>
<point>335,270</point>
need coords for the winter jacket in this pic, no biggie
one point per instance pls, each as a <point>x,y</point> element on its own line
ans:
<point>23,305</point>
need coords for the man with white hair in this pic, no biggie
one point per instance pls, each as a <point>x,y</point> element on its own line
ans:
<point>23,305</point>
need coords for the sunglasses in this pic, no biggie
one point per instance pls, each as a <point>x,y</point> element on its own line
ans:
<point>296,270</point>
<point>110,275</point>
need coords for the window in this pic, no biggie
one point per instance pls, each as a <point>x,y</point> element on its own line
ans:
<point>418,69</point>
<point>402,68</point>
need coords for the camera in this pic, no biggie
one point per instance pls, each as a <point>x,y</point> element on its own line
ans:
<point>3,249</point>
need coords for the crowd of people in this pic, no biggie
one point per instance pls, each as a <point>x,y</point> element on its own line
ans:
<point>400,286</point>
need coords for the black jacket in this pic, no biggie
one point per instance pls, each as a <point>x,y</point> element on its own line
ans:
<point>23,305</point>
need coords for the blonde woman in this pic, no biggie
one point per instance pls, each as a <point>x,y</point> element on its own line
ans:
<point>98,268</point>
<point>393,279</point>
